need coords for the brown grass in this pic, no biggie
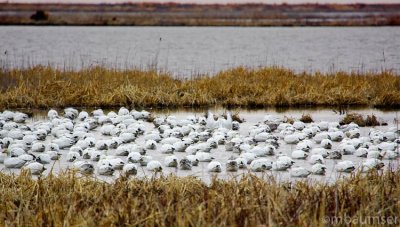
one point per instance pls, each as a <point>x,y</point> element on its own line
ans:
<point>306,118</point>
<point>289,120</point>
<point>70,200</point>
<point>44,87</point>
<point>369,120</point>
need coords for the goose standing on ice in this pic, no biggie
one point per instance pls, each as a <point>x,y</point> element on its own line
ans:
<point>211,123</point>
<point>227,123</point>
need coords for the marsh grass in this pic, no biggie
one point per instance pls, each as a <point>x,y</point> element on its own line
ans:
<point>45,87</point>
<point>369,120</point>
<point>306,118</point>
<point>67,199</point>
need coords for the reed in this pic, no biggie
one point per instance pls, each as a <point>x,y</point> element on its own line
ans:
<point>67,199</point>
<point>45,87</point>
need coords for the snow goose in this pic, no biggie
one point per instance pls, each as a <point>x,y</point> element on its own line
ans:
<point>321,136</point>
<point>249,156</point>
<point>105,170</point>
<point>347,149</point>
<point>298,125</point>
<point>299,172</point>
<point>326,143</point>
<point>260,165</point>
<point>35,168</point>
<point>211,123</point>
<point>305,145</point>
<point>129,169</point>
<point>345,166</point>
<point>171,161</point>
<point>152,145</point>
<point>145,160</point>
<point>116,163</point>
<point>134,157</point>
<point>72,156</point>
<point>193,159</point>
<point>167,149</point>
<point>14,162</point>
<point>335,154</point>
<point>154,166</point>
<point>44,158</point>
<point>263,150</point>
<point>83,167</point>
<point>38,147</point>
<point>299,154</point>
<point>19,117</point>
<point>214,166</point>
<point>204,156</point>
<point>286,159</point>
<point>83,115</point>
<point>232,165</point>
<point>372,164</point>
<point>361,152</point>
<point>280,165</point>
<point>374,154</point>
<point>185,164</point>
<point>318,169</point>
<point>391,155</point>
<point>242,162</point>
<point>316,158</point>
<point>320,151</point>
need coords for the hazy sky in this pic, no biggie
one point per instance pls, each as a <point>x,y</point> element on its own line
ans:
<point>208,1</point>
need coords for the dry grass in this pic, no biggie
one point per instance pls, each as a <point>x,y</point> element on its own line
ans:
<point>44,87</point>
<point>306,118</point>
<point>370,120</point>
<point>353,117</point>
<point>70,200</point>
<point>289,120</point>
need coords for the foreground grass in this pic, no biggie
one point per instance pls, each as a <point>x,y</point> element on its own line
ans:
<point>44,87</point>
<point>70,200</point>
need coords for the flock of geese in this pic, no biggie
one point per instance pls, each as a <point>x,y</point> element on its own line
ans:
<point>85,140</point>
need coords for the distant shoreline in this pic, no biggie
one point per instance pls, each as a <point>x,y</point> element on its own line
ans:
<point>171,14</point>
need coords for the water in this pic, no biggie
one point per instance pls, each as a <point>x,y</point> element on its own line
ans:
<point>220,154</point>
<point>187,51</point>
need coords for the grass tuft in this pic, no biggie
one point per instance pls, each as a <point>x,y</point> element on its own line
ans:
<point>370,120</point>
<point>306,118</point>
